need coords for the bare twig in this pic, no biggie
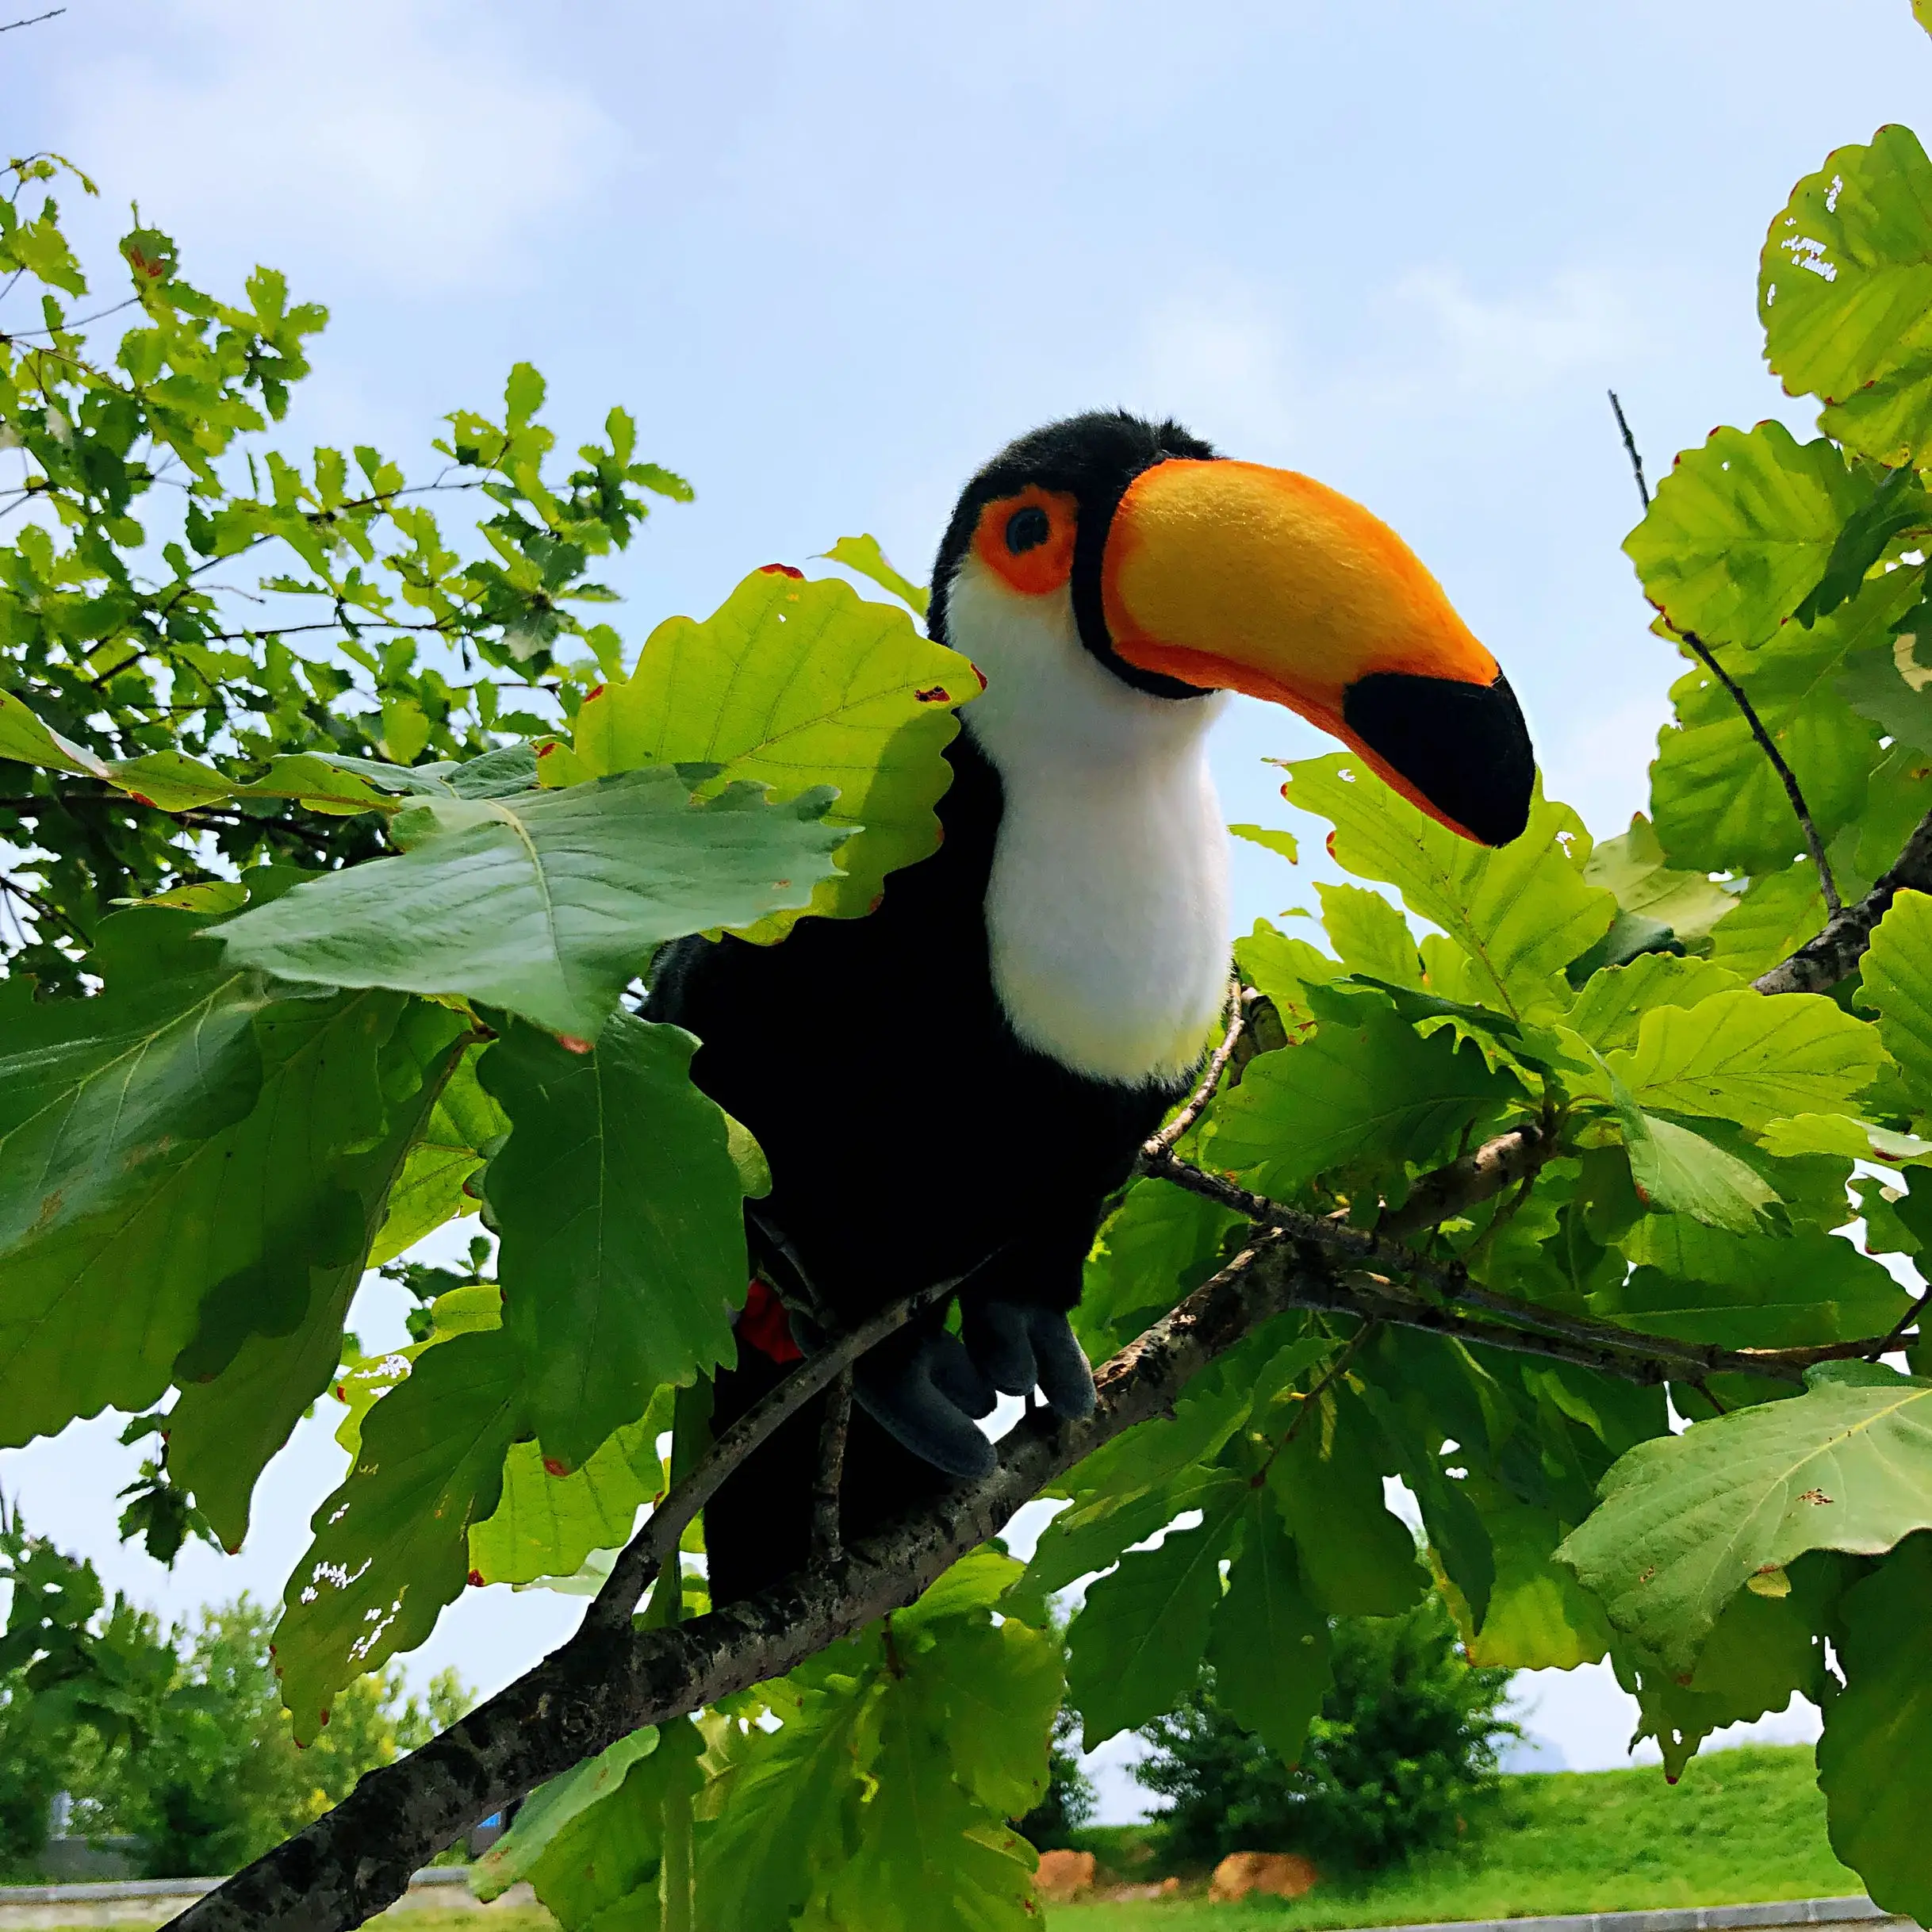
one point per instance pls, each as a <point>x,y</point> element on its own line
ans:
<point>1164,1142</point>
<point>1822,962</point>
<point>52,14</point>
<point>826,1532</point>
<point>1705,656</point>
<point>1630,446</point>
<point>653,1545</point>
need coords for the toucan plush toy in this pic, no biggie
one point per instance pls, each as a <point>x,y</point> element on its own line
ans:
<point>951,1088</point>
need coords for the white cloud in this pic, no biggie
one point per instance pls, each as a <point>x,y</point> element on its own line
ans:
<point>405,138</point>
<point>1577,319</point>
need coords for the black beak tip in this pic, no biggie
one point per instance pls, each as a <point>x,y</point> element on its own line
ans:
<point>1464,747</point>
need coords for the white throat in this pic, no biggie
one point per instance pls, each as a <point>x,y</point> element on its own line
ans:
<point>1108,908</point>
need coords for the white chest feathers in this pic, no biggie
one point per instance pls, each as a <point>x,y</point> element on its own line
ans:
<point>1108,907</point>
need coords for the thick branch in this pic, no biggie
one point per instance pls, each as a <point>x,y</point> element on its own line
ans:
<point>1436,1197</point>
<point>1820,963</point>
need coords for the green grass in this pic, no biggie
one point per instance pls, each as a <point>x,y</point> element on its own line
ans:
<point>1741,1826</point>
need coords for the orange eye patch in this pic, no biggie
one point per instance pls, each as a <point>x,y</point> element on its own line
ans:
<point>1027,538</point>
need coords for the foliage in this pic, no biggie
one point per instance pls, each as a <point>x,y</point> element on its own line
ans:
<point>1069,1800</point>
<point>1404,1743</point>
<point>403,829</point>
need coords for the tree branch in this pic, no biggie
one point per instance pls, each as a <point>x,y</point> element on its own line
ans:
<point>827,1531</point>
<point>1437,1196</point>
<point>1164,1142</point>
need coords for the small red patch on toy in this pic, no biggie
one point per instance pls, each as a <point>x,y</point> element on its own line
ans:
<point>763,1325</point>
<point>476,1579</point>
<point>553,1467</point>
<point>780,570</point>
<point>571,1043</point>
<point>938,695</point>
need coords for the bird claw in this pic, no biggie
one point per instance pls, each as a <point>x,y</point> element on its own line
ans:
<point>928,1398</point>
<point>1021,1345</point>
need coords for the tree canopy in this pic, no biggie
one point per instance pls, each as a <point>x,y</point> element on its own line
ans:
<point>335,844</point>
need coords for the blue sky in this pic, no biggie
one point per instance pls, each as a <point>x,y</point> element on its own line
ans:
<point>833,253</point>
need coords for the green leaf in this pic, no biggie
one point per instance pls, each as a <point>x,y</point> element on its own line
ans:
<point>1886,682</point>
<point>1740,530</point>
<point>1873,1759</point>
<point>547,1525</point>
<point>550,1808</point>
<point>1269,1645</point>
<point>391,1545</point>
<point>1281,844</point>
<point>1611,1005</point>
<point>1686,1520</point>
<point>1159,1244</point>
<point>547,906</point>
<point>432,1188</point>
<point>863,555</point>
<point>1537,1617</point>
<point>1778,912</point>
<point>1845,290</point>
<point>1634,867</point>
<point>1898,981</point>
<point>1139,1637</point>
<point>1740,1056</point>
<point>1898,504</point>
<point>619,1215</point>
<point>1363,1086</point>
<point>796,685</point>
<point>1370,935</point>
<point>1678,1172</point>
<point>223,1432</point>
<point>1520,913</point>
<point>1789,1290</point>
<point>26,740</point>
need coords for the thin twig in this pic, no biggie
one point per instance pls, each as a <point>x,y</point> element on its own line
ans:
<point>1814,844</point>
<point>52,14</point>
<point>1164,1142</point>
<point>827,1546</point>
<point>650,1548</point>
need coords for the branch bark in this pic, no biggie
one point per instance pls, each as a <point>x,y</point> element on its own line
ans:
<point>1820,963</point>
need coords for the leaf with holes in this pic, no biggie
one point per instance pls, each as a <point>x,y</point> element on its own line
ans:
<point>1520,913</point>
<point>391,1545</point>
<point>1686,1520</point>
<point>795,685</point>
<point>620,1219</point>
<point>549,904</point>
<point>1845,293</point>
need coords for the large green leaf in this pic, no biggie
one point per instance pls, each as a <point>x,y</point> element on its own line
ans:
<point>222,1432</point>
<point>1887,683</point>
<point>619,1214</point>
<point>1676,1171</point>
<point>1740,530</point>
<point>1370,935</point>
<point>1611,1003</point>
<point>1686,1520</point>
<point>547,905</point>
<point>1740,1056</point>
<point>1875,1758</point>
<point>549,1808</point>
<point>1136,1643</point>
<point>1898,981</point>
<point>1780,911</point>
<point>1634,867</point>
<point>391,1545</point>
<point>796,684</point>
<point>1158,1245</point>
<point>1538,1617</point>
<point>1845,293</point>
<point>863,554</point>
<point>1364,1086</point>
<point>1269,1644</point>
<point>1520,913</point>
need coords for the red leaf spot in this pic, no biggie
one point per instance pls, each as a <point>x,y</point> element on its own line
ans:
<point>878,900</point>
<point>141,798</point>
<point>595,690</point>
<point>570,1044</point>
<point>476,1579</point>
<point>981,675</point>
<point>1815,1497</point>
<point>325,1717</point>
<point>780,570</point>
<point>778,885</point>
<point>470,1188</point>
<point>553,1467</point>
<point>340,1396</point>
<point>543,751</point>
<point>1669,1779</point>
<point>937,695</point>
<point>233,1548</point>
<point>1329,841</point>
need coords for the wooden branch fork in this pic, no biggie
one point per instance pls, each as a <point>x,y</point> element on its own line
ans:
<point>612,1677</point>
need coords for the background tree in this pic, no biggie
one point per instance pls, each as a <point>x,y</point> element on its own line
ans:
<point>1404,1746</point>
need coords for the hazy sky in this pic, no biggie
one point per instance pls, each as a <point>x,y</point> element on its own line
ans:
<point>833,255</point>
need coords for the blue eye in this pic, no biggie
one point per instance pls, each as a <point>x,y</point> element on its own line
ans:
<point>1027,529</point>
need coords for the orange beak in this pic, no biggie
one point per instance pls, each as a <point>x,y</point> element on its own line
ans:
<point>1234,576</point>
